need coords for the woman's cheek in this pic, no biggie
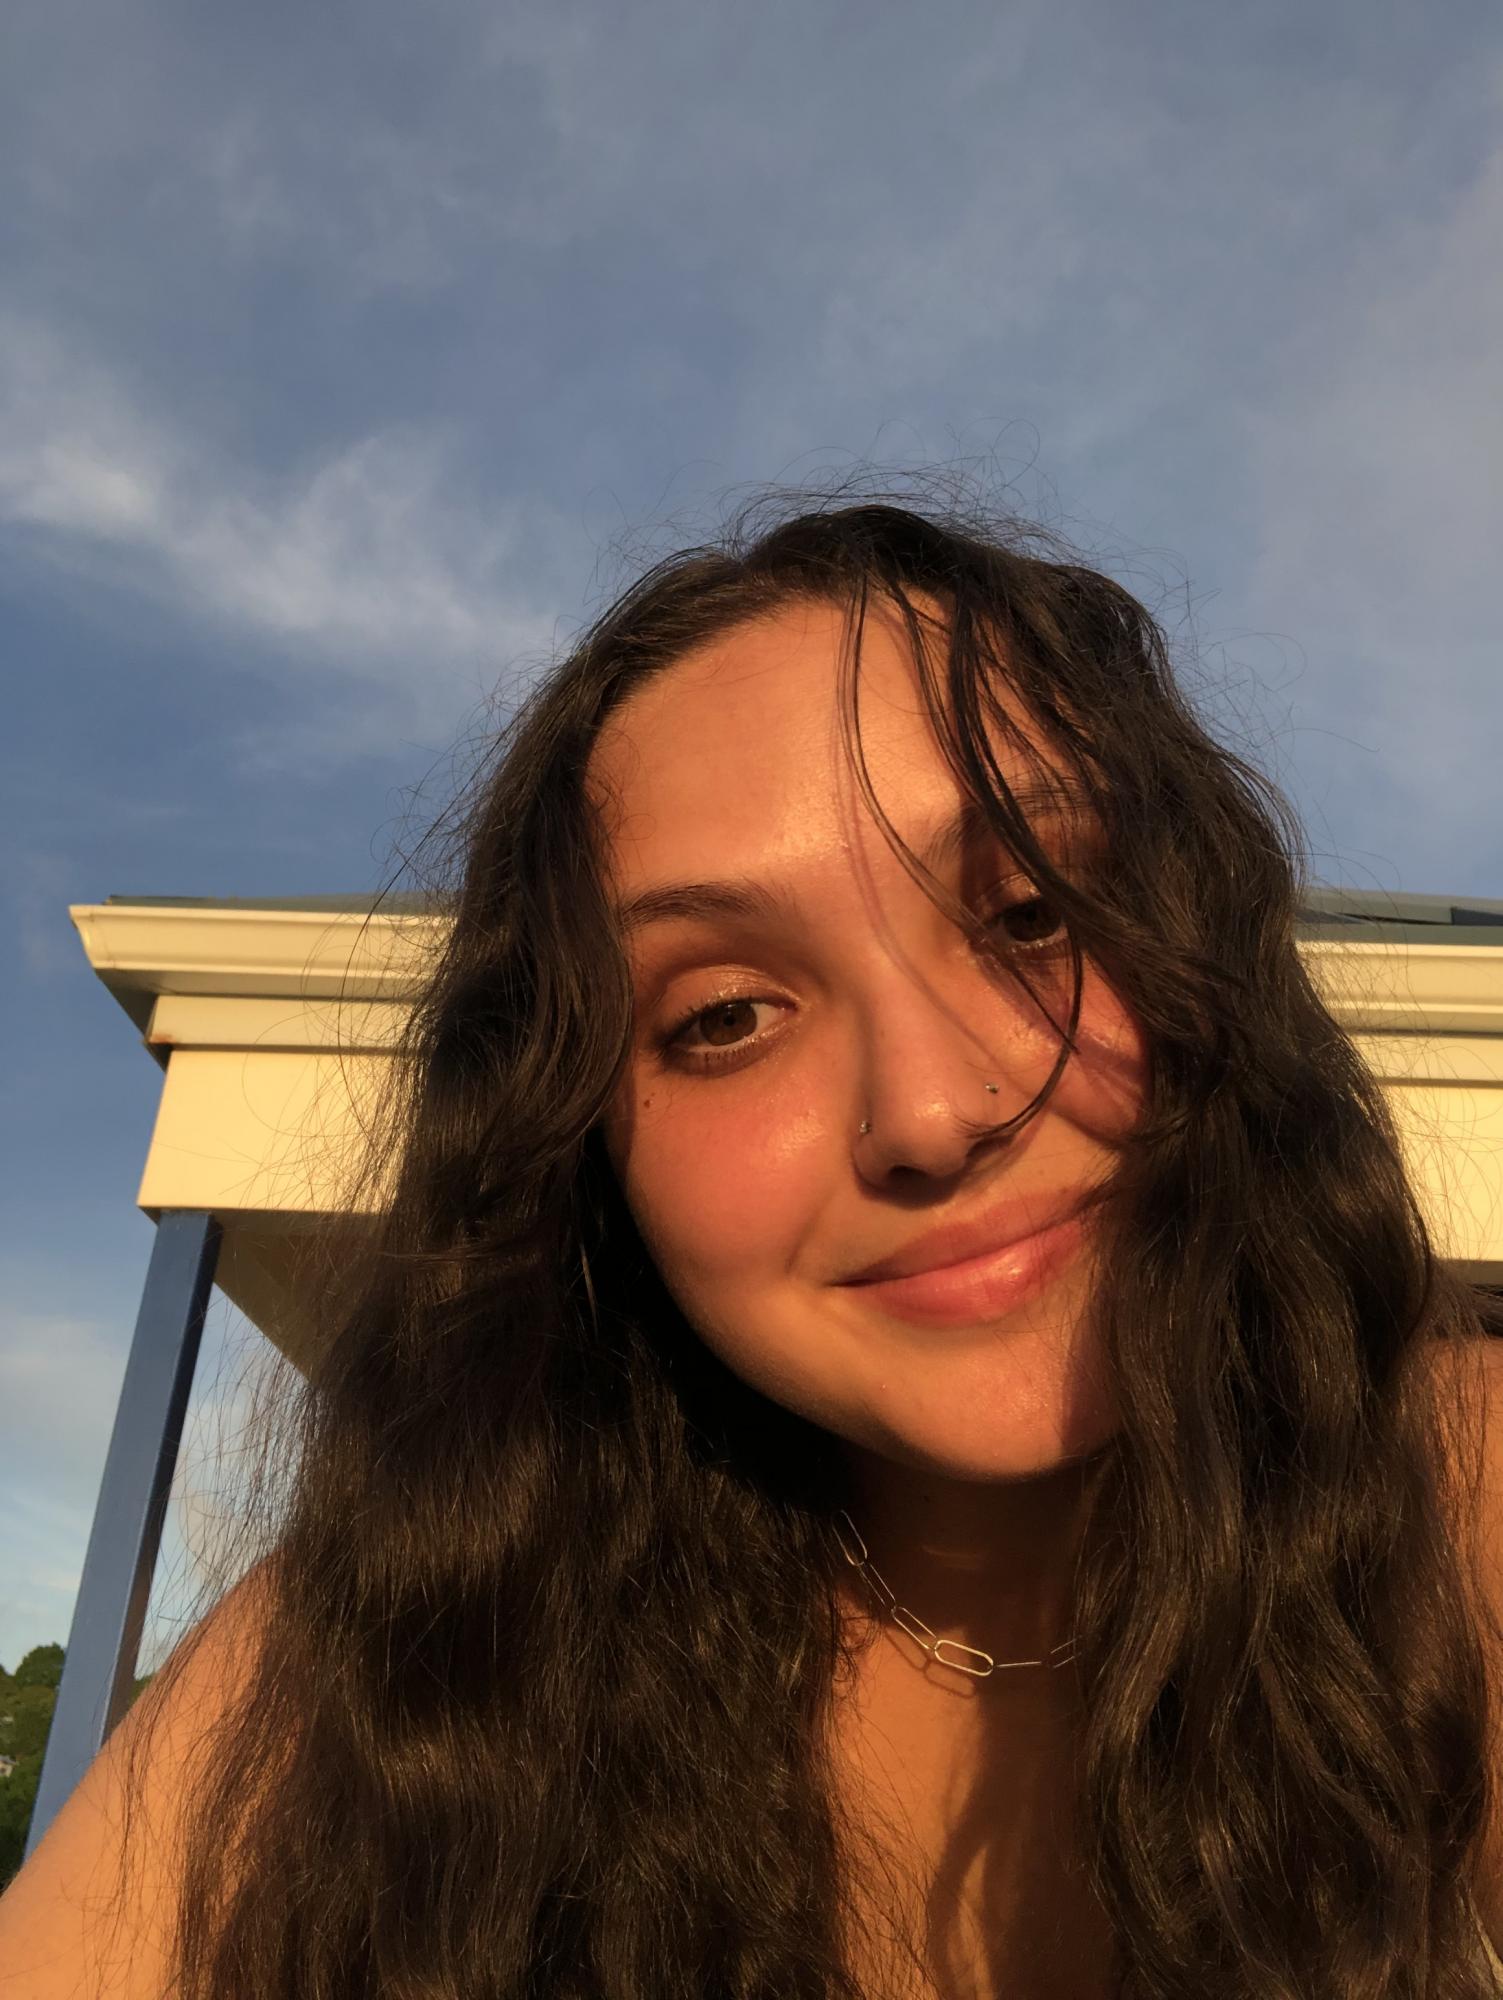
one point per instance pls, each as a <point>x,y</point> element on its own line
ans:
<point>724,1182</point>
<point>1105,1082</point>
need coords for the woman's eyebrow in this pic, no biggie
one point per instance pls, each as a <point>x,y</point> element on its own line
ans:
<point>740,896</point>
<point>968,827</point>
<point>689,901</point>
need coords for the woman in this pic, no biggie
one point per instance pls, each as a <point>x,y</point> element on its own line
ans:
<point>903,1435</point>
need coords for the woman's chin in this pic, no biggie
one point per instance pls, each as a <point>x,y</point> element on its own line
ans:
<point>989,1438</point>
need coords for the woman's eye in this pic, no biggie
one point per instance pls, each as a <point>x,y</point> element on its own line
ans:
<point>724,1027</point>
<point>1032,922</point>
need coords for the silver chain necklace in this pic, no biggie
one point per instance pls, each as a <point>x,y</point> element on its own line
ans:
<point>947,1652</point>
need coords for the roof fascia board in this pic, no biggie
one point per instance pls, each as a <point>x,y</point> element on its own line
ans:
<point>1423,987</point>
<point>270,954</point>
<point>143,951</point>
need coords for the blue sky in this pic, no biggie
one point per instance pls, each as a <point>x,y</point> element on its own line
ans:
<point>349,355</point>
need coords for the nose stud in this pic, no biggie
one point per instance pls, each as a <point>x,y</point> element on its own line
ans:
<point>866,1123</point>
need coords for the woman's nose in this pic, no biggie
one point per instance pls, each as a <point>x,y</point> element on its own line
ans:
<point>930,1090</point>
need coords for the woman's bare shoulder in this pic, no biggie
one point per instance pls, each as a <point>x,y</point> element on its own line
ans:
<point>91,1915</point>
<point>1476,1364</point>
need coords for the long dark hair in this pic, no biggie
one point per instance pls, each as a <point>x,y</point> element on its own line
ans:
<point>550,1639</point>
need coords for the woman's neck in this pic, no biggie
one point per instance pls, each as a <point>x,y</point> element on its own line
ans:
<point>990,1564</point>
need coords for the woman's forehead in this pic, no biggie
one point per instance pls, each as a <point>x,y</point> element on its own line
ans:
<point>741,741</point>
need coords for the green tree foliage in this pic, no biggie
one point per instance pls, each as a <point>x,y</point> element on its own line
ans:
<point>41,1667</point>
<point>18,1795</point>
<point>27,1699</point>
<point>30,1712</point>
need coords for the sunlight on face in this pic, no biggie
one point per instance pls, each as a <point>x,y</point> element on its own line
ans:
<point>824,988</point>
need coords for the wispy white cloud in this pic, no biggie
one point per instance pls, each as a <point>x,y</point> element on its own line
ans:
<point>1378,474</point>
<point>39,882</point>
<point>366,557</point>
<point>59,1381</point>
<point>203,1548</point>
<point>65,1373</point>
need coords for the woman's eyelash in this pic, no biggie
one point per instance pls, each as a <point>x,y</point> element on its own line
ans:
<point>707,1058</point>
<point>1036,899</point>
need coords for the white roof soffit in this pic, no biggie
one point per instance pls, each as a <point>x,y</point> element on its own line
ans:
<point>142,951</point>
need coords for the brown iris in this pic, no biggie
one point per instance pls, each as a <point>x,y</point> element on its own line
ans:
<point>1029,922</point>
<point>727,1023</point>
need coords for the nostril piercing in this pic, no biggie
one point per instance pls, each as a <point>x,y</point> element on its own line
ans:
<point>866,1124</point>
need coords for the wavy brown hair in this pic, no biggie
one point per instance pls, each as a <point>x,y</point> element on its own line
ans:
<point>550,1640</point>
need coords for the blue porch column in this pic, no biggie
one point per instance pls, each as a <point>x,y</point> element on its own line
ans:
<point>110,1609</point>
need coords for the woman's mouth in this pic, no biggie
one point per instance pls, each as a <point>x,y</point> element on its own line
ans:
<point>981,1287</point>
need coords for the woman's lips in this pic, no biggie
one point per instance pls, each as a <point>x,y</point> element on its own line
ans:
<point>979,1288</point>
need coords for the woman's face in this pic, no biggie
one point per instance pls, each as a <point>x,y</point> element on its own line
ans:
<point>793,980</point>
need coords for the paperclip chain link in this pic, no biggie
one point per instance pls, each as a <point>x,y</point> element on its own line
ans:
<point>947,1652</point>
